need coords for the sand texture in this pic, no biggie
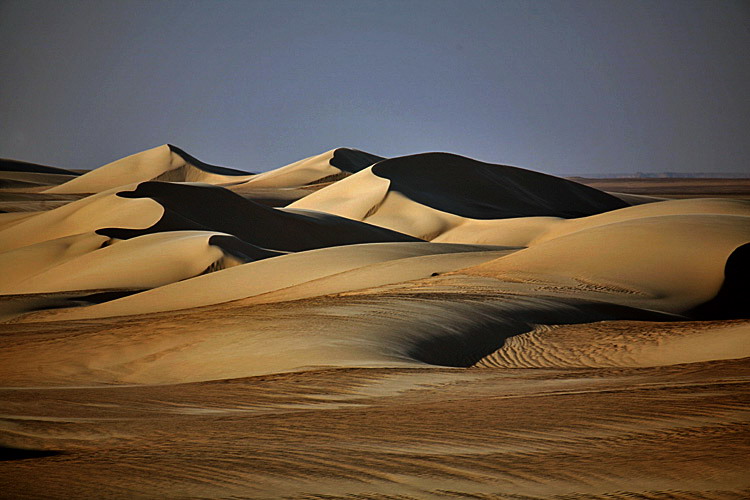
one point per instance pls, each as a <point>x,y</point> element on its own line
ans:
<point>351,326</point>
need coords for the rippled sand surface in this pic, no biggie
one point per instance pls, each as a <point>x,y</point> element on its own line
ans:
<point>349,326</point>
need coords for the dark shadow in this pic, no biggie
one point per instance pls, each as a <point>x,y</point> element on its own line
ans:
<point>211,208</point>
<point>353,160</point>
<point>101,297</point>
<point>206,167</point>
<point>7,453</point>
<point>733,299</point>
<point>8,165</point>
<point>478,190</point>
<point>240,249</point>
<point>463,346</point>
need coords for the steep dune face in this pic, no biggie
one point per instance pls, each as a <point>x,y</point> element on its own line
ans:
<point>165,337</point>
<point>323,168</point>
<point>89,214</point>
<point>670,263</point>
<point>478,190</point>
<point>164,163</point>
<point>286,275</point>
<point>428,194</point>
<point>203,207</point>
<point>140,263</point>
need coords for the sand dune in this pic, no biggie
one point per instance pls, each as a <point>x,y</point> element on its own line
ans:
<point>171,164</point>
<point>102,210</point>
<point>80,263</point>
<point>623,344</point>
<point>349,326</point>
<point>323,168</point>
<point>191,206</point>
<point>670,263</point>
<point>9,165</point>
<point>281,273</point>
<point>165,162</point>
<point>31,181</point>
<point>425,195</point>
<point>528,231</point>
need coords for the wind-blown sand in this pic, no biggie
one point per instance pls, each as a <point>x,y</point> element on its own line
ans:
<point>349,326</point>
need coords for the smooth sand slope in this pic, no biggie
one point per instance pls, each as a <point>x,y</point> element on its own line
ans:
<point>425,195</point>
<point>191,206</point>
<point>324,168</point>
<point>405,261</point>
<point>429,326</point>
<point>669,263</point>
<point>81,262</point>
<point>165,162</point>
<point>171,164</point>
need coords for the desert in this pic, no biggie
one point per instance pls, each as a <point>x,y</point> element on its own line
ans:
<point>355,326</point>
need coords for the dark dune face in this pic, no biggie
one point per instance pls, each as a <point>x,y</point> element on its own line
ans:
<point>733,299</point>
<point>532,358</point>
<point>189,207</point>
<point>467,340</point>
<point>206,167</point>
<point>478,190</point>
<point>7,165</point>
<point>353,160</point>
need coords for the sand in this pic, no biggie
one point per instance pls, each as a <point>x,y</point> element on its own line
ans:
<point>350,326</point>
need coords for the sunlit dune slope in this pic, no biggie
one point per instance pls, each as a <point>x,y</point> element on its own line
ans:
<point>172,164</point>
<point>623,344</point>
<point>669,263</point>
<point>280,273</point>
<point>509,252</point>
<point>81,262</point>
<point>529,231</point>
<point>94,212</point>
<point>204,207</point>
<point>165,162</point>
<point>324,168</point>
<point>427,194</point>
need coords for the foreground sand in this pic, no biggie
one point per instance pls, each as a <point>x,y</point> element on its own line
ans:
<point>350,326</point>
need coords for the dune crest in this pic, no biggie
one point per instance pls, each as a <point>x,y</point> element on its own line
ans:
<point>350,326</point>
<point>161,163</point>
<point>144,262</point>
<point>429,193</point>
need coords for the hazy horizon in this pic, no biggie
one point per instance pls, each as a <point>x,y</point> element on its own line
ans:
<point>606,87</point>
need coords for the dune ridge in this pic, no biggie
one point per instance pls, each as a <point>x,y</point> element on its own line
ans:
<point>165,162</point>
<point>353,326</point>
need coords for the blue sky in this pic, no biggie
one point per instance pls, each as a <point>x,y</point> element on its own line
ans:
<point>563,87</point>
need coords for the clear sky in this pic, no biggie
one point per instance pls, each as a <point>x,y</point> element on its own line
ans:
<point>564,87</point>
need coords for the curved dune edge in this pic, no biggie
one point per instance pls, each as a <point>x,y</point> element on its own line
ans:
<point>464,187</point>
<point>197,206</point>
<point>327,167</point>
<point>89,214</point>
<point>611,344</point>
<point>280,273</point>
<point>370,198</point>
<point>508,250</point>
<point>169,338</point>
<point>169,163</point>
<point>166,162</point>
<point>145,262</point>
<point>670,263</point>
